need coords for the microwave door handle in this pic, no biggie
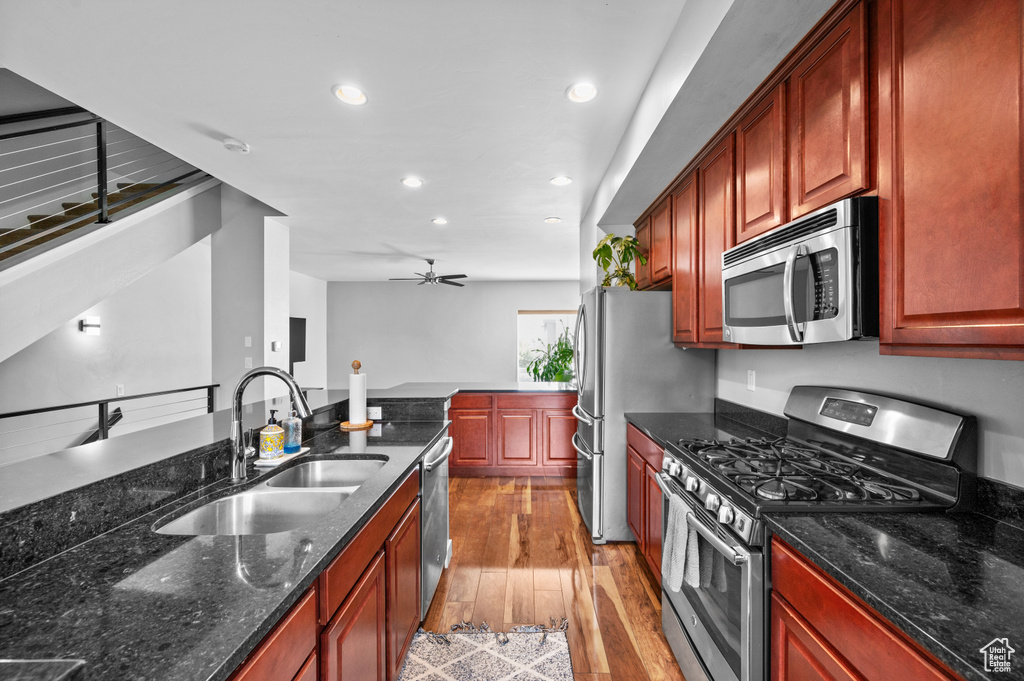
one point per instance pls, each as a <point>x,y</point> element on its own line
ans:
<point>796,331</point>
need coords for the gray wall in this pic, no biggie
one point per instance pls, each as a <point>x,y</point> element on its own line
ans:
<point>308,299</point>
<point>989,389</point>
<point>404,332</point>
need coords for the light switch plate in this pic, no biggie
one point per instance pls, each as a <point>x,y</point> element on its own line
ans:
<point>248,362</point>
<point>120,390</point>
<point>750,379</point>
<point>248,341</point>
<point>374,413</point>
<point>275,346</point>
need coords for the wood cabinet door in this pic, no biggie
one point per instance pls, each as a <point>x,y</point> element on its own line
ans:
<point>761,167</point>
<point>652,521</point>
<point>635,496</point>
<point>952,248</point>
<point>799,653</point>
<point>557,428</point>
<point>402,559</point>
<point>685,261</point>
<point>661,242</point>
<point>517,438</point>
<point>284,651</point>
<point>643,272</point>
<point>828,118</point>
<point>471,437</point>
<point>717,233</point>
<point>353,645</point>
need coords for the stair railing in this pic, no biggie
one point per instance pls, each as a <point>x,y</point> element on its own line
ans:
<point>85,429</point>
<point>60,177</point>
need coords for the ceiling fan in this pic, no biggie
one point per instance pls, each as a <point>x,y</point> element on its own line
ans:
<point>431,278</point>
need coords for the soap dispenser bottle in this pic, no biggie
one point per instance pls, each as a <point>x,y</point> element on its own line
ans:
<point>271,439</point>
<point>292,433</point>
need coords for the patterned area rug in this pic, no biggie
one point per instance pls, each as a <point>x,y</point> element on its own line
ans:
<point>529,653</point>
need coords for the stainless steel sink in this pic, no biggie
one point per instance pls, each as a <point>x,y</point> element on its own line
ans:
<point>336,473</point>
<point>256,512</point>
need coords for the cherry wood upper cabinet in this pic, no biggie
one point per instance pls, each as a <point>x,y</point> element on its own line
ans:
<point>643,236</point>
<point>402,559</point>
<point>717,217</point>
<point>828,118</point>
<point>661,242</point>
<point>761,167</point>
<point>685,261</point>
<point>353,645</point>
<point>951,240</point>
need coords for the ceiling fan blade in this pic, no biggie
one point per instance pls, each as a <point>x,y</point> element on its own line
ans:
<point>419,275</point>
<point>452,276</point>
<point>422,283</point>
<point>450,283</point>
<point>404,279</point>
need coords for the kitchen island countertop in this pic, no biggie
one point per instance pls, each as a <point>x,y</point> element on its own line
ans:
<point>952,582</point>
<point>144,606</point>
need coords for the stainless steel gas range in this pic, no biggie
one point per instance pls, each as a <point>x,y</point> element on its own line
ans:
<point>844,451</point>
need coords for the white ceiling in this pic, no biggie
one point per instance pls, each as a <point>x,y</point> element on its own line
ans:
<point>467,94</point>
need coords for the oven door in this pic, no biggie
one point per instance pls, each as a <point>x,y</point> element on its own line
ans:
<point>723,629</point>
<point>799,293</point>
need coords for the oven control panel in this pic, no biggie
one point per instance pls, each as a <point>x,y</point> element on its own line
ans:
<point>851,412</point>
<point>708,504</point>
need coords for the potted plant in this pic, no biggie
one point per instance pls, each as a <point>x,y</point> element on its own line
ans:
<point>554,363</point>
<point>615,254</point>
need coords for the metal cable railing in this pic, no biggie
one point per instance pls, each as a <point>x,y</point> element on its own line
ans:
<point>28,431</point>
<point>55,179</point>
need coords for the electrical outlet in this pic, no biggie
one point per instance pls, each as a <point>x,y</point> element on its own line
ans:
<point>374,413</point>
<point>248,362</point>
<point>750,379</point>
<point>375,430</point>
<point>248,341</point>
<point>120,390</point>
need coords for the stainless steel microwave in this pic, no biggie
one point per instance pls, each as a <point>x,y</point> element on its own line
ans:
<point>813,280</point>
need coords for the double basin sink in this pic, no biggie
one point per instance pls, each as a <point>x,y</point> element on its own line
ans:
<point>293,498</point>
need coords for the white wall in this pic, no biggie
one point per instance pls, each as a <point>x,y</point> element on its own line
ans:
<point>992,390</point>
<point>155,336</point>
<point>308,299</point>
<point>404,332</point>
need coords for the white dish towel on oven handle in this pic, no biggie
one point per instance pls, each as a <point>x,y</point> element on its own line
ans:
<point>686,556</point>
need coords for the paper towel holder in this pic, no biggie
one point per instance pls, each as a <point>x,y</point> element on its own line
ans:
<point>346,425</point>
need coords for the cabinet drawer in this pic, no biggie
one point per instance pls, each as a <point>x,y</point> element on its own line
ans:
<point>472,401</point>
<point>282,654</point>
<point>647,448</point>
<point>536,400</point>
<point>872,645</point>
<point>341,575</point>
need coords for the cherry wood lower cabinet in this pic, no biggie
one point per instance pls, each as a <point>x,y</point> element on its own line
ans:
<point>286,652</point>
<point>822,631</point>
<point>354,643</point>
<point>643,495</point>
<point>514,433</point>
<point>402,551</point>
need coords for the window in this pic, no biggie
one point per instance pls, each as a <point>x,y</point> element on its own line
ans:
<point>545,333</point>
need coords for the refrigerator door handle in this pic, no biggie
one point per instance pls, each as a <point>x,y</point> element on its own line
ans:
<point>579,355</point>
<point>581,447</point>
<point>581,415</point>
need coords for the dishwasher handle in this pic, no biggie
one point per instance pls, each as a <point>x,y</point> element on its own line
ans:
<point>448,447</point>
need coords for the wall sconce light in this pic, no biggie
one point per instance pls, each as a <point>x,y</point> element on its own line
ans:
<point>90,326</point>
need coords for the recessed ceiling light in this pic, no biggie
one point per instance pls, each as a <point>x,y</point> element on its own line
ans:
<point>581,92</point>
<point>552,220</point>
<point>561,181</point>
<point>412,182</point>
<point>238,146</point>
<point>439,221</point>
<point>349,94</point>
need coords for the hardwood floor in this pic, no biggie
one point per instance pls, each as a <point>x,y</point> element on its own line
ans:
<point>521,555</point>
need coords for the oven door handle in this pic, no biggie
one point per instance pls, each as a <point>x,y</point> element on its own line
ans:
<point>728,552</point>
<point>796,331</point>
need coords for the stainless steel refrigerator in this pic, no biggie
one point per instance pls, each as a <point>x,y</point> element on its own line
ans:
<point>624,360</point>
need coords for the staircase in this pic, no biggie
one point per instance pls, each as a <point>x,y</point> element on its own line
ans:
<point>37,233</point>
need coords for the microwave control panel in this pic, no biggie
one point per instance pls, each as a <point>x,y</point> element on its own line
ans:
<point>824,267</point>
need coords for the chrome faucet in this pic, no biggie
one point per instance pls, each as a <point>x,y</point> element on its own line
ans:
<point>237,445</point>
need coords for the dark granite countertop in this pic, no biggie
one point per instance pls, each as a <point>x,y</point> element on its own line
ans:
<point>952,582</point>
<point>144,606</point>
<point>42,670</point>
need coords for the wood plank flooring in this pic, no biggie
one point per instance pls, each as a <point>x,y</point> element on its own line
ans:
<point>522,555</point>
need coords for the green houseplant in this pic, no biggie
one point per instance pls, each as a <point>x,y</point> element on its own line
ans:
<point>615,254</point>
<point>554,363</point>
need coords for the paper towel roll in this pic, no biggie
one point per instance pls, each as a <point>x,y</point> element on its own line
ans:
<point>357,398</point>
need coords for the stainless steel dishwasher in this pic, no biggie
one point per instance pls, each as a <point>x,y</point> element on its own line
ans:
<point>435,547</point>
